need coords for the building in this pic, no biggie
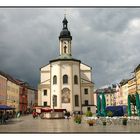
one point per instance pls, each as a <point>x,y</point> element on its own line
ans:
<point>132,85</point>
<point>3,89</point>
<point>109,95</point>
<point>137,75</point>
<point>118,95</point>
<point>13,94</point>
<point>31,98</point>
<point>10,90</point>
<point>66,83</point>
<point>124,90</point>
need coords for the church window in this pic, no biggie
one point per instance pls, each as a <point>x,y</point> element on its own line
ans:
<point>45,103</point>
<point>45,92</point>
<point>76,100</point>
<point>86,90</point>
<point>65,79</point>
<point>55,100</point>
<point>86,102</point>
<point>65,49</point>
<point>75,79</point>
<point>55,79</point>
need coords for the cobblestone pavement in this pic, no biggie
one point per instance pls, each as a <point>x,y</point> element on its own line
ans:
<point>27,124</point>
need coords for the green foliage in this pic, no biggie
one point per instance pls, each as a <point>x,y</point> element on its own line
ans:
<point>89,114</point>
<point>133,99</point>
<point>78,118</point>
<point>110,114</point>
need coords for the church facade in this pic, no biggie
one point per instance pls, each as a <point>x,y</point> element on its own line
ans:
<point>66,83</point>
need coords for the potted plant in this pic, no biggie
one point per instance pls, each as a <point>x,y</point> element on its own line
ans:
<point>110,113</point>
<point>104,122</point>
<point>89,114</point>
<point>124,121</point>
<point>78,119</point>
<point>91,122</point>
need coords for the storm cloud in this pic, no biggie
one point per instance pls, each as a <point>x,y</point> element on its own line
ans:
<point>107,39</point>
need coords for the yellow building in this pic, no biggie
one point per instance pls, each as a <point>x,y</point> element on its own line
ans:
<point>137,74</point>
<point>109,99</point>
<point>124,91</point>
<point>3,89</point>
<point>13,94</point>
<point>109,95</point>
<point>132,85</point>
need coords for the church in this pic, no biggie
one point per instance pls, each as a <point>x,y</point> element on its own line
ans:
<point>66,83</point>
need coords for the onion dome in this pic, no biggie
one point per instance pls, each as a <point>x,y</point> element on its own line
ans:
<point>65,33</point>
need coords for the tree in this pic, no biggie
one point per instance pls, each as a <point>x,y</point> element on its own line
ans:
<point>133,101</point>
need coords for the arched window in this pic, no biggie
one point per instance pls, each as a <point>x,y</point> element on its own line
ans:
<point>65,79</point>
<point>54,79</point>
<point>75,79</point>
<point>76,100</point>
<point>65,49</point>
<point>54,100</point>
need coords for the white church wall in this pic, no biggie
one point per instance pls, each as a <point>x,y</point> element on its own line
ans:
<point>39,98</point>
<point>55,88</point>
<point>45,98</point>
<point>88,96</point>
<point>86,75</point>
<point>76,87</point>
<point>84,67</point>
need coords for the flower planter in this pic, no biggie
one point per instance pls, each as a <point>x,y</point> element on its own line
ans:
<point>78,121</point>
<point>124,122</point>
<point>104,123</point>
<point>90,124</point>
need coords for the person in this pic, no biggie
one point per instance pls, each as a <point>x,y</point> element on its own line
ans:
<point>3,119</point>
<point>18,114</point>
<point>67,115</point>
<point>34,114</point>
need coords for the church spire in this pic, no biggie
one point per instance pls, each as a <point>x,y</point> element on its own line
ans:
<point>65,22</point>
<point>65,40</point>
<point>65,33</point>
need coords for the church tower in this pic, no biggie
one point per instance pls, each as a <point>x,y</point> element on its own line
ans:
<point>65,39</point>
<point>66,83</point>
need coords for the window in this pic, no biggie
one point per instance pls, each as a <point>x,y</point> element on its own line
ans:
<point>86,90</point>
<point>65,79</point>
<point>55,79</point>
<point>76,100</point>
<point>86,102</point>
<point>54,100</point>
<point>45,103</point>
<point>65,48</point>
<point>45,92</point>
<point>75,79</point>
<point>88,109</point>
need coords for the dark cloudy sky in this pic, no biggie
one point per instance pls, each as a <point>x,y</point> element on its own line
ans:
<point>107,39</point>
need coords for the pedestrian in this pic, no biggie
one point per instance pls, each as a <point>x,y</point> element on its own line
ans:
<point>3,119</point>
<point>34,114</point>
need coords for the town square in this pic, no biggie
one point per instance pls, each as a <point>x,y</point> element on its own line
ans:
<point>70,71</point>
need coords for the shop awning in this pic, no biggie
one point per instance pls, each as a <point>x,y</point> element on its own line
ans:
<point>5,107</point>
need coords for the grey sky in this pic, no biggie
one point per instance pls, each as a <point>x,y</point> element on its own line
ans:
<point>107,39</point>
